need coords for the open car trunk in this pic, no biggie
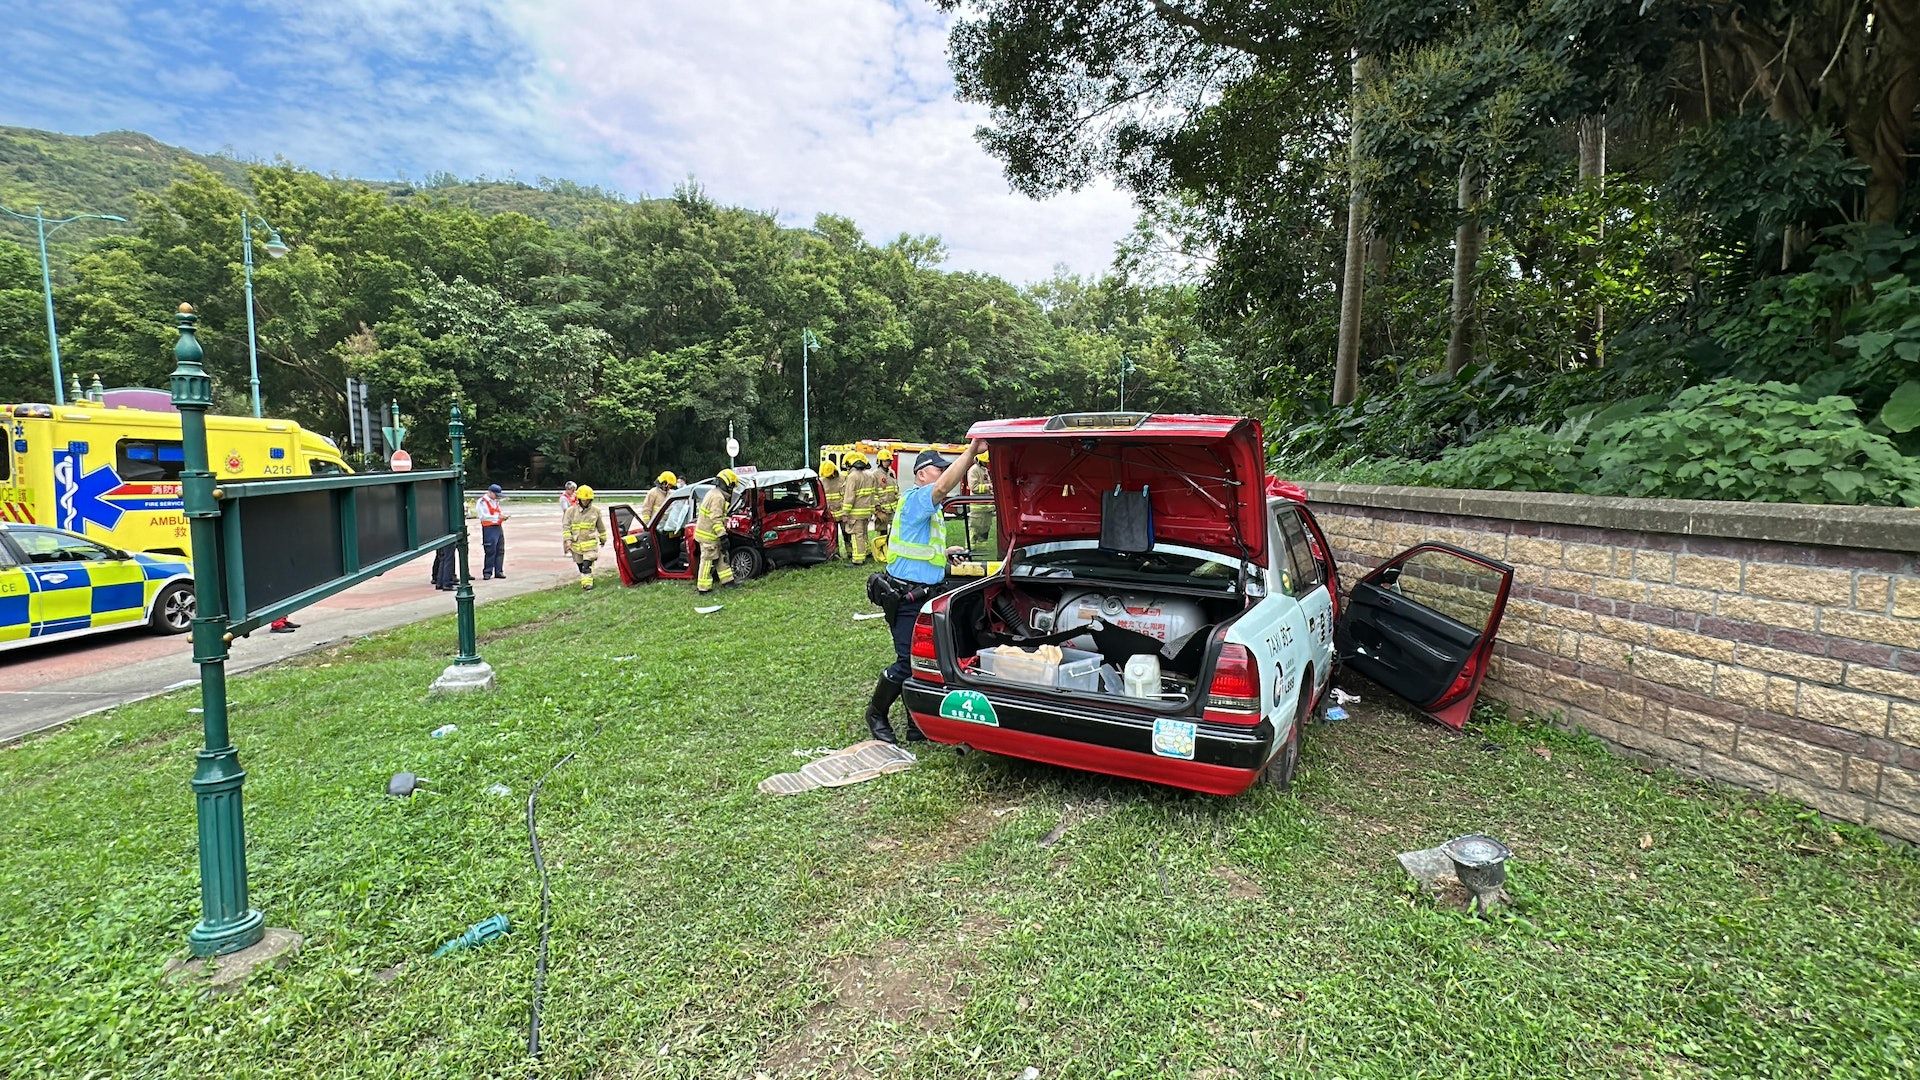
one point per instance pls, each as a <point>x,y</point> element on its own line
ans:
<point>1001,632</point>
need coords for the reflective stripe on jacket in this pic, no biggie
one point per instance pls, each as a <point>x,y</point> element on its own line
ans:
<point>487,509</point>
<point>711,523</point>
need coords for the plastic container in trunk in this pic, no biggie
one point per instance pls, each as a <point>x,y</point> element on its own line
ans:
<point>1076,669</point>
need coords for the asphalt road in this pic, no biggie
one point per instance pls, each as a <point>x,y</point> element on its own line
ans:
<point>43,686</point>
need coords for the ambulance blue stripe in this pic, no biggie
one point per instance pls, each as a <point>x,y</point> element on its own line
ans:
<point>162,571</point>
<point>61,626</point>
<point>13,611</point>
<point>121,597</point>
<point>76,578</point>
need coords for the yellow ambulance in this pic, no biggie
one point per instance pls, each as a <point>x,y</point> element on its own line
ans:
<point>112,473</point>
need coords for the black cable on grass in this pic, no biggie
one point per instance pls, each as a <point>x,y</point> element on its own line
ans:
<point>540,863</point>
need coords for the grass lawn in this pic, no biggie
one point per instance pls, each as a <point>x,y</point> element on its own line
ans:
<point>916,925</point>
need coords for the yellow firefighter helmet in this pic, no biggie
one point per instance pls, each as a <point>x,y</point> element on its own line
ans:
<point>729,478</point>
<point>583,493</point>
<point>668,479</point>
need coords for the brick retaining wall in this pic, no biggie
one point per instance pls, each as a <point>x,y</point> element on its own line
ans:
<point>1774,647</point>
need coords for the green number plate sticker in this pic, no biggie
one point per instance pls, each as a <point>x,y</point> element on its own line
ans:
<point>969,705</point>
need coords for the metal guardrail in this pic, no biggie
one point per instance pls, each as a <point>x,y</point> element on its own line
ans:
<point>603,494</point>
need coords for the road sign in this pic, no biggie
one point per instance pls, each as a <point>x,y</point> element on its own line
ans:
<point>264,549</point>
<point>733,447</point>
<point>401,461</point>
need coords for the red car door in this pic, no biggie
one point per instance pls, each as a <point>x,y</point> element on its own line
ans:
<point>636,552</point>
<point>1422,625</point>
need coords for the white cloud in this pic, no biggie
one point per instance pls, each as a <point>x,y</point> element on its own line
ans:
<point>799,106</point>
<point>843,108</point>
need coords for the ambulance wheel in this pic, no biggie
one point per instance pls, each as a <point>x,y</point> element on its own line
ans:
<point>747,562</point>
<point>173,609</point>
<point>1285,763</point>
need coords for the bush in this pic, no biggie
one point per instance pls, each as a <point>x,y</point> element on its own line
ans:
<point>1726,439</point>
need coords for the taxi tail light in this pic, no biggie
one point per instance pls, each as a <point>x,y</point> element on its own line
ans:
<point>925,655</point>
<point>1233,694</point>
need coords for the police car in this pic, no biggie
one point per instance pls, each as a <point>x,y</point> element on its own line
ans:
<point>56,584</point>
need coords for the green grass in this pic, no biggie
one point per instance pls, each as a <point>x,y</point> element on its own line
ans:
<point>915,925</point>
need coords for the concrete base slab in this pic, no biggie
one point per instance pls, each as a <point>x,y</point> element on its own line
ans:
<point>462,678</point>
<point>227,974</point>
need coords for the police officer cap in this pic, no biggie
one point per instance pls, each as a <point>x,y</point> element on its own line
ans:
<point>930,457</point>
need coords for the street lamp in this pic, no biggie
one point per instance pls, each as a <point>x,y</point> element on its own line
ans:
<point>39,219</point>
<point>807,342</point>
<point>276,248</point>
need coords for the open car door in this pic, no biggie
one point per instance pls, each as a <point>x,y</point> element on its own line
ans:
<point>1422,624</point>
<point>635,553</point>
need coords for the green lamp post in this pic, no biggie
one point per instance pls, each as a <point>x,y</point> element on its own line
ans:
<point>275,248</point>
<point>40,221</point>
<point>227,924</point>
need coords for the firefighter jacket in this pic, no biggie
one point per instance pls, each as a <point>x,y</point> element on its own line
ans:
<point>649,506</point>
<point>711,523</point>
<point>861,489</point>
<point>583,530</point>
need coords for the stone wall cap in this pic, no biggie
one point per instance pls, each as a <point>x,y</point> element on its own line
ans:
<point>1878,528</point>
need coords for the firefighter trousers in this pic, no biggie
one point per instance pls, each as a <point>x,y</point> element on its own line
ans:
<point>857,527</point>
<point>712,564</point>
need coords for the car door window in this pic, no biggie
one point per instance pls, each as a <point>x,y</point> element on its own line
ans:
<point>677,515</point>
<point>47,546</point>
<point>794,495</point>
<point>319,467</point>
<point>1299,572</point>
<point>1460,589</point>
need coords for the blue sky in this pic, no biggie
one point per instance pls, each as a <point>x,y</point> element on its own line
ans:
<point>795,106</point>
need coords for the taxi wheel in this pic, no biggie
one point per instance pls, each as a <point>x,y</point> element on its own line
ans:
<point>747,562</point>
<point>173,609</point>
<point>1281,770</point>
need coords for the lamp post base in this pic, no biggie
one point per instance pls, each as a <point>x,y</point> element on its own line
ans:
<point>464,678</point>
<point>227,973</point>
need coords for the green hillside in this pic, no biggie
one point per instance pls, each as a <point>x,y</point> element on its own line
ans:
<point>101,174</point>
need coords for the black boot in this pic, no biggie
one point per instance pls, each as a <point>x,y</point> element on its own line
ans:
<point>914,734</point>
<point>884,695</point>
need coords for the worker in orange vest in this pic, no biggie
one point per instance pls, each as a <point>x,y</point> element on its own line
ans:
<point>493,534</point>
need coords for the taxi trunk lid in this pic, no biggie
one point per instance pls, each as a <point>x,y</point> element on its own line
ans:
<point>1203,474</point>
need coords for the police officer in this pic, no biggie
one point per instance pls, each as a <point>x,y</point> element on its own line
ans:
<point>582,534</point>
<point>709,526</point>
<point>916,571</point>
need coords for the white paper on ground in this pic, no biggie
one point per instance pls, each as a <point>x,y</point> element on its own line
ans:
<point>706,610</point>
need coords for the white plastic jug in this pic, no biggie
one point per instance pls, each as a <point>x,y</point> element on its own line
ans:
<point>1142,678</point>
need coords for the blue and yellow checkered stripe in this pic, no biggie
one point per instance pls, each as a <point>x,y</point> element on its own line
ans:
<point>42,601</point>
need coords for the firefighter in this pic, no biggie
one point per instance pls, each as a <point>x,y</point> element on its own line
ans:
<point>860,491</point>
<point>916,572</point>
<point>493,534</point>
<point>709,527</point>
<point>582,534</point>
<point>980,518</point>
<point>886,497</point>
<point>663,486</point>
<point>836,500</point>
